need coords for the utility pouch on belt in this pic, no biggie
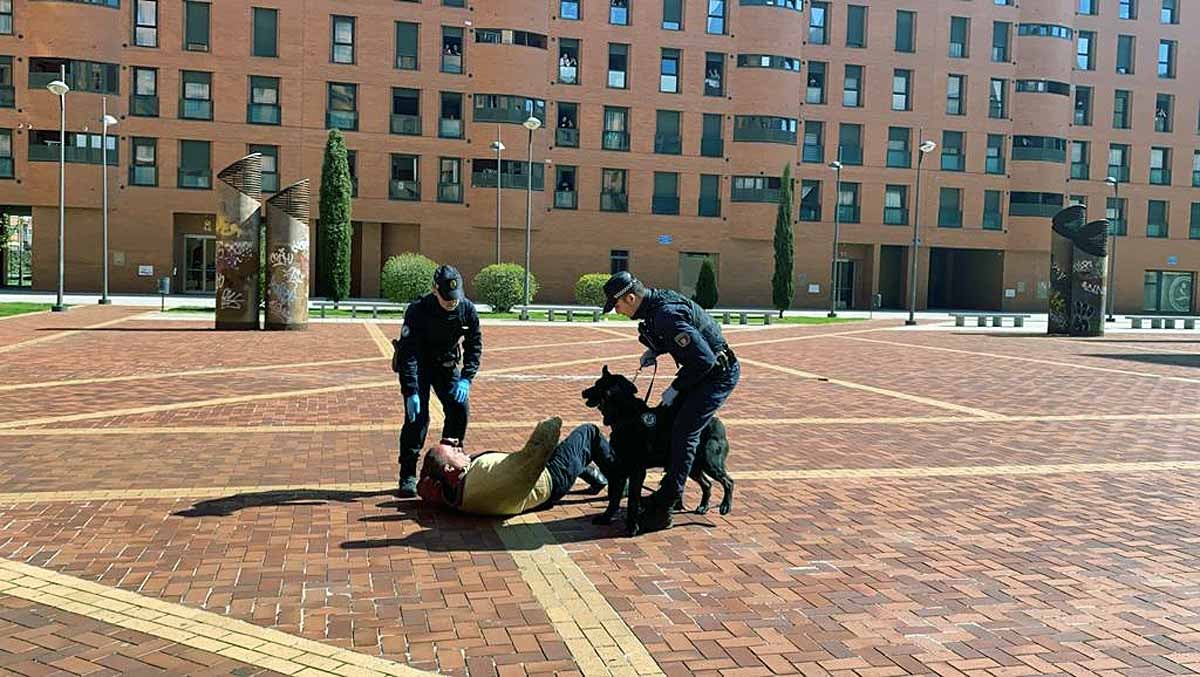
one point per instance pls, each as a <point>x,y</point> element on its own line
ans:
<point>396,355</point>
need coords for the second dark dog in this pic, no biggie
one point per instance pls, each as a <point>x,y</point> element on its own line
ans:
<point>641,439</point>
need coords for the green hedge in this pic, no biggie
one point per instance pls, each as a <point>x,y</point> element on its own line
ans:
<point>407,277</point>
<point>502,286</point>
<point>589,290</point>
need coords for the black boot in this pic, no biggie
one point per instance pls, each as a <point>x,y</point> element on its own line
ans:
<point>656,512</point>
<point>595,479</point>
<point>408,479</point>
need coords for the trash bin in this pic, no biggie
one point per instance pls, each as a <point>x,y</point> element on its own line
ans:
<point>164,285</point>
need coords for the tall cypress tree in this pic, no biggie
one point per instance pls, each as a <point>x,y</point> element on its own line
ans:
<point>783,287</point>
<point>707,294</point>
<point>335,219</point>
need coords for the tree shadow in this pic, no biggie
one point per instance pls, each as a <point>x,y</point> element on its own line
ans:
<point>132,329</point>
<point>225,506</point>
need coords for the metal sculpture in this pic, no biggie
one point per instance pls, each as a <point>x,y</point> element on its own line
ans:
<point>288,258</point>
<point>239,191</point>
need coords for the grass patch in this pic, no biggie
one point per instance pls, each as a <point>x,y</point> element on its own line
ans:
<point>535,315</point>
<point>18,308</point>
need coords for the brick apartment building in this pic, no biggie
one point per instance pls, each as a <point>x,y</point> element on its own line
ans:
<point>667,125</point>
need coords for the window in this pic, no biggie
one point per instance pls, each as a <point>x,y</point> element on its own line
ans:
<point>672,15</point>
<point>712,143</point>
<point>264,101</point>
<point>1170,12</point>
<point>710,195</point>
<point>1160,166</point>
<point>450,121</point>
<point>341,41</point>
<point>715,25</point>
<point>1196,169</point>
<point>507,36</point>
<point>616,129</point>
<point>815,92</point>
<point>618,12</point>
<point>668,74</point>
<point>1088,7</point>
<point>950,208</point>
<point>613,195</point>
<point>856,26</point>
<point>848,208</point>
<point>901,89</point>
<point>81,147</point>
<point>1166,58</point>
<point>995,162</point>
<point>341,107</point>
<point>1118,161</point>
<point>1085,49</point>
<point>953,154</point>
<point>1194,222</point>
<point>144,102</point>
<point>666,133</point>
<point>513,174</point>
<point>818,23</point>
<point>568,9</point>
<point>1122,99</point>
<point>714,74</point>
<point>195,165</point>
<point>784,63</point>
<point>1127,9</point>
<point>1022,203</point>
<point>993,213</point>
<point>618,65</point>
<point>1164,115</point>
<point>82,76</point>
<point>143,167</point>
<point>1001,32</point>
<point>766,128</point>
<point>895,205</point>
<point>6,17</point>
<point>960,31</point>
<point>265,26</point>
<point>1156,219</point>
<point>8,93</point>
<point>755,189</point>
<point>1114,211</point>
<point>666,193</point>
<point>850,144</point>
<point>810,200</point>
<point>195,102</point>
<point>1083,106</point>
<point>195,26</point>
<point>145,22</point>
<point>1045,31</point>
<point>406,111</point>
<point>618,261</point>
<point>567,132</point>
<point>565,195</point>
<point>1039,148</point>
<point>568,61</point>
<point>270,166</point>
<point>814,142</point>
<point>956,86</point>
<point>450,180</point>
<point>1125,54</point>
<point>906,23</point>
<point>408,40</point>
<point>997,99</point>
<point>1168,292</point>
<point>405,183</point>
<point>452,50</point>
<point>852,87</point>
<point>508,108</point>
<point>899,154</point>
<point>1044,87</point>
<point>1079,160</point>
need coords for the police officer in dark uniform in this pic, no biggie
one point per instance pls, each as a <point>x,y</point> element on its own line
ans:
<point>427,355</point>
<point>708,372</point>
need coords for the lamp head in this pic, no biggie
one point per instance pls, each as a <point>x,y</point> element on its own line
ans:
<point>497,146</point>
<point>835,166</point>
<point>531,123</point>
<point>108,120</point>
<point>58,88</point>
<point>928,147</point>
<point>1110,180</point>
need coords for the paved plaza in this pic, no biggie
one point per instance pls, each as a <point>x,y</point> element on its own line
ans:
<point>175,500</point>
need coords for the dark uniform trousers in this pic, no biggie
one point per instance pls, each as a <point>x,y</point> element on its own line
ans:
<point>412,435</point>
<point>695,409</point>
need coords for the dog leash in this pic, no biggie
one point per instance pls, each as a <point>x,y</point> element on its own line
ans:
<point>653,375</point>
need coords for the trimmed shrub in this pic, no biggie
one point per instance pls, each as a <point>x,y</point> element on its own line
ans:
<point>502,286</point>
<point>407,277</point>
<point>589,290</point>
<point>706,286</point>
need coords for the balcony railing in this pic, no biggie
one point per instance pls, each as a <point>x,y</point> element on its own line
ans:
<point>565,199</point>
<point>614,202</point>
<point>143,175</point>
<point>408,62</point>
<point>953,162</point>
<point>6,168</point>
<point>615,141</point>
<point>8,96</point>
<point>486,178</point>
<point>342,119</point>
<point>1079,170</point>
<point>895,216</point>
<point>993,221</point>
<point>270,183</point>
<point>754,195</point>
<point>851,155</point>
<point>452,63</point>
<point>568,75</point>
<point>616,79</point>
<point>195,178</point>
<point>195,109</point>
<point>899,158</point>
<point>764,134</point>
<point>848,213</point>
<point>75,154</point>
<point>450,129</point>
<point>409,125</point>
<point>1160,177</point>
<point>263,113</point>
<point>712,146</point>
<point>664,204</point>
<point>709,206</point>
<point>949,217</point>
<point>404,190</point>
<point>668,144</point>
<point>567,137</point>
<point>505,114</point>
<point>450,192</point>
<point>144,106</point>
<point>994,165</point>
<point>813,153</point>
<point>1119,172</point>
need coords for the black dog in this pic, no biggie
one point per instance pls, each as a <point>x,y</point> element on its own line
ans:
<point>641,439</point>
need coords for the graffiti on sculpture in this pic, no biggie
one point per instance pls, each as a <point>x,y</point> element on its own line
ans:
<point>288,258</point>
<point>1078,273</point>
<point>239,192</point>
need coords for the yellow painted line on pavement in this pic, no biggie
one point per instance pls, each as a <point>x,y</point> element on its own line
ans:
<point>613,332</point>
<point>59,335</point>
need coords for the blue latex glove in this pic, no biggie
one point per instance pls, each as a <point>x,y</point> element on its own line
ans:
<point>669,395</point>
<point>462,388</point>
<point>412,407</point>
<point>649,359</point>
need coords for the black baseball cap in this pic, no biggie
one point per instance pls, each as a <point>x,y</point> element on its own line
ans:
<point>617,286</point>
<point>449,283</point>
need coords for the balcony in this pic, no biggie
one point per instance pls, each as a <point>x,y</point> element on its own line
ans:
<point>901,159</point>
<point>713,87</point>
<point>993,221</point>
<point>8,96</point>
<point>810,212</point>
<point>712,146</point>
<point>452,63</point>
<point>851,155</point>
<point>754,195</point>
<point>6,168</point>
<point>74,154</point>
<point>270,182</point>
<point>949,217</point>
<point>143,106</point>
<point>664,204</point>
<point>568,75</point>
<point>450,129</point>
<point>1156,230</point>
<point>813,153</point>
<point>709,206</point>
<point>618,16</point>
<point>408,125</point>
<point>404,190</point>
<point>615,141</point>
<point>1160,177</point>
<point>1196,178</point>
<point>408,62</point>
<point>614,202</point>
<point>1119,172</point>
<point>616,79</point>
<point>1079,170</point>
<point>195,109</point>
<point>565,199</point>
<point>346,120</point>
<point>953,162</point>
<point>507,114</point>
<point>262,114</point>
<point>143,175</point>
<point>567,137</point>
<point>764,134</point>
<point>895,216</point>
<point>40,80</point>
<point>848,213</point>
<point>1033,209</point>
<point>994,165</point>
<point>450,192</point>
<point>486,178</point>
<point>668,144</point>
<point>200,179</point>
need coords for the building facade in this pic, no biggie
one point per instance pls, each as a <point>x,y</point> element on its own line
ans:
<point>666,126</point>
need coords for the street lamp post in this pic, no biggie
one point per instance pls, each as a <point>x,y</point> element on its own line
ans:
<point>836,166</point>
<point>498,147</point>
<point>925,147</point>
<point>531,123</point>
<point>106,121</point>
<point>1112,249</point>
<point>59,88</point>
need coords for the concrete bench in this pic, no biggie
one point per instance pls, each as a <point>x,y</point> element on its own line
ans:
<point>960,319</point>
<point>355,306</point>
<point>570,312</point>
<point>743,316</point>
<point>1162,321</point>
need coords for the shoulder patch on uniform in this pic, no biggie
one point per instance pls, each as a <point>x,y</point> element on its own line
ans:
<point>649,419</point>
<point>404,331</point>
<point>682,339</point>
